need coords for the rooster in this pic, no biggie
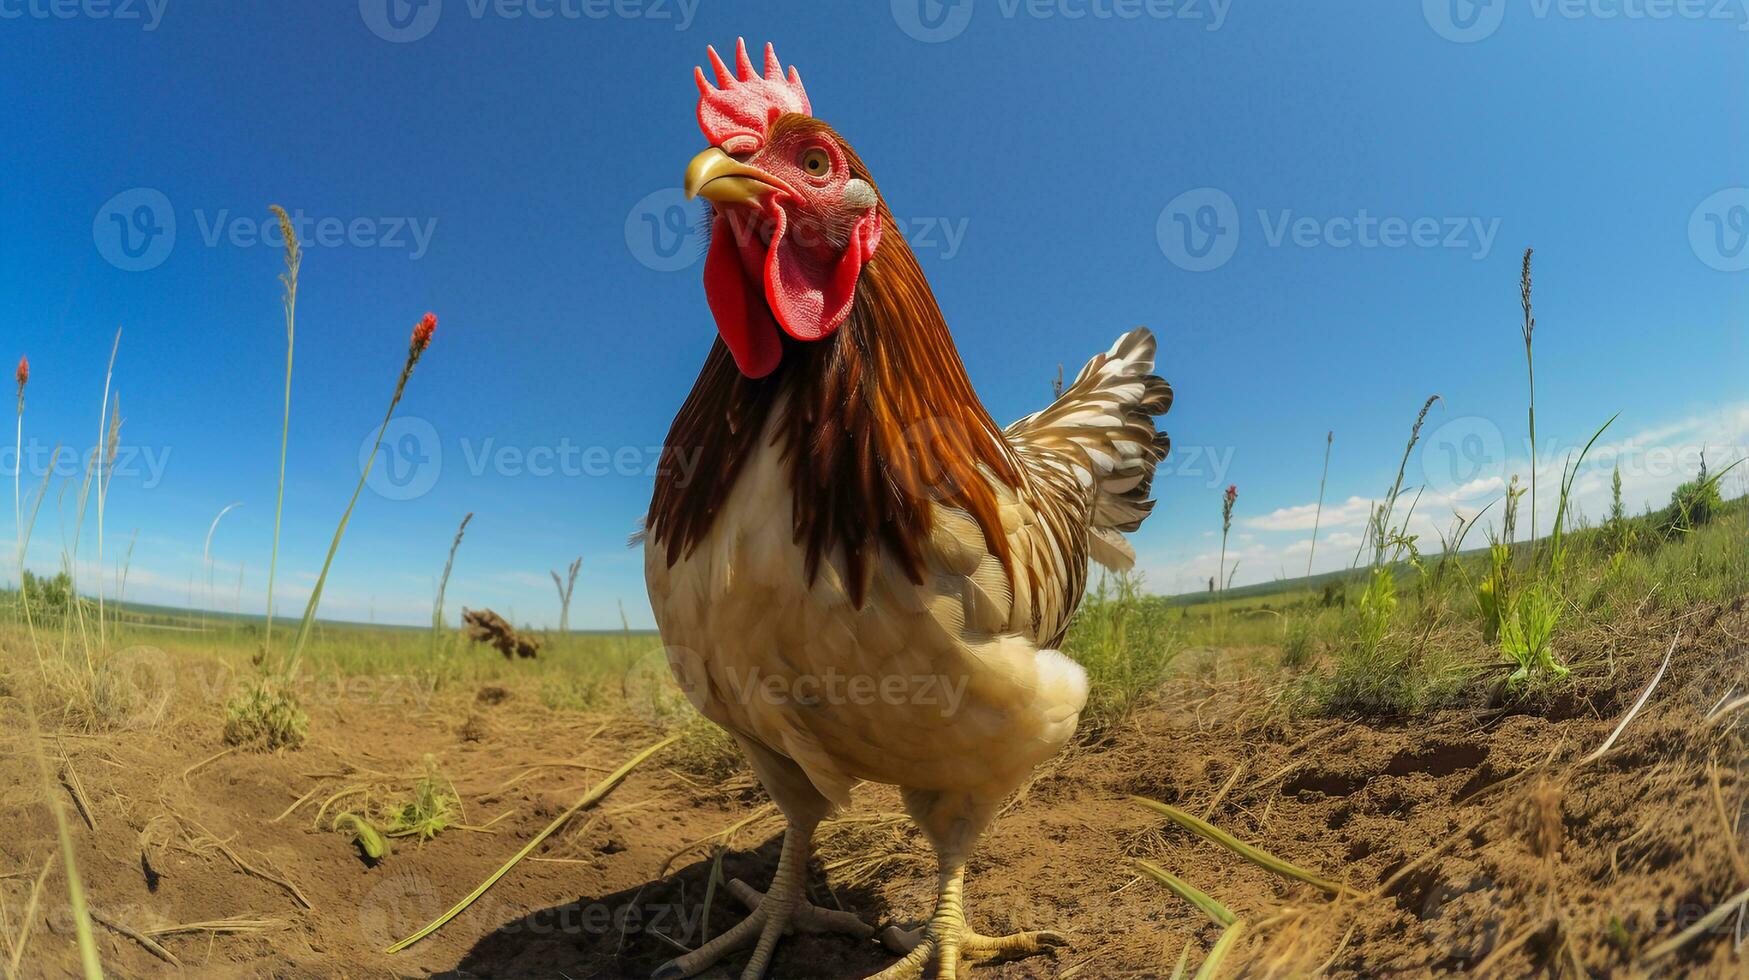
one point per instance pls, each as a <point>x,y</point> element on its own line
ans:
<point>862,577</point>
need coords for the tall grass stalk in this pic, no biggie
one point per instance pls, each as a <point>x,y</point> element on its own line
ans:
<point>1227,499</point>
<point>1318,515</point>
<point>22,375</point>
<point>106,434</point>
<point>416,347</point>
<point>127,561</point>
<point>443,583</point>
<point>1528,329</point>
<point>206,553</point>
<point>294,257</point>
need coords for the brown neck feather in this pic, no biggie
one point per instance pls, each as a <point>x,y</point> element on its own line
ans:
<point>880,425</point>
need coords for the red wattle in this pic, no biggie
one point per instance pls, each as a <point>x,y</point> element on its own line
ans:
<point>743,319</point>
<point>810,298</point>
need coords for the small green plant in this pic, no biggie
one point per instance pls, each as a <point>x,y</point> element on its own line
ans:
<point>1493,592</point>
<point>1299,639</point>
<point>1620,533</point>
<point>1527,633</point>
<point>1695,502</point>
<point>1375,672</point>
<point>433,808</point>
<point>265,716</point>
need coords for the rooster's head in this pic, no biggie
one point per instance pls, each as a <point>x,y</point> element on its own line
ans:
<point>794,214</point>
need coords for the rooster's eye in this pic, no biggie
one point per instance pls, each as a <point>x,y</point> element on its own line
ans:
<point>816,162</point>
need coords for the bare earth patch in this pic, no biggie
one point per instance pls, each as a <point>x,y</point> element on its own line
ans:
<point>1472,838</point>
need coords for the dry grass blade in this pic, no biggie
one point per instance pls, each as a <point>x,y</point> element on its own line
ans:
<point>1724,710</point>
<point>76,789</point>
<point>721,838</point>
<point>1208,809</point>
<point>30,905</point>
<point>590,798</point>
<point>1190,893</point>
<point>211,758</point>
<point>148,942</point>
<point>1261,858</point>
<point>1644,695</point>
<point>247,868</point>
<point>1705,925</point>
<point>233,925</point>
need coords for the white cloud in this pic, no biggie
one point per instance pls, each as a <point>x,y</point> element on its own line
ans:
<point>1653,460</point>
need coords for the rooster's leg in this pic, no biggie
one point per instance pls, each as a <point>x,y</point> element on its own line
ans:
<point>949,941</point>
<point>782,909</point>
<point>953,823</point>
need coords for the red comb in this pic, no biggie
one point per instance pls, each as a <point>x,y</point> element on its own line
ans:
<point>736,112</point>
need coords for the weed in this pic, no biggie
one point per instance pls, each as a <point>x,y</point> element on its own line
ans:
<point>1299,640</point>
<point>433,807</point>
<point>265,716</point>
<point>1123,643</point>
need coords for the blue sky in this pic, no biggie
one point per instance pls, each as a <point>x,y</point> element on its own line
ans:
<point>1318,207</point>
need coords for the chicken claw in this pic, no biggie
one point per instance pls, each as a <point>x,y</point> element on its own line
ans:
<point>783,910</point>
<point>950,941</point>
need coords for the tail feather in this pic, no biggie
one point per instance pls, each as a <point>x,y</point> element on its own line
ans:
<point>1105,422</point>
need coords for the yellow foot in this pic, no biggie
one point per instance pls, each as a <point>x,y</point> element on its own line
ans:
<point>951,942</point>
<point>761,929</point>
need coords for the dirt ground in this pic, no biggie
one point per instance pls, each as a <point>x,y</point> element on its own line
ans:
<point>1473,839</point>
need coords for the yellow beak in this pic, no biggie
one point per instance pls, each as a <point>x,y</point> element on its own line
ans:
<point>718,177</point>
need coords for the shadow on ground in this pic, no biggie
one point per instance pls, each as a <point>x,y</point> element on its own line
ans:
<point>626,933</point>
